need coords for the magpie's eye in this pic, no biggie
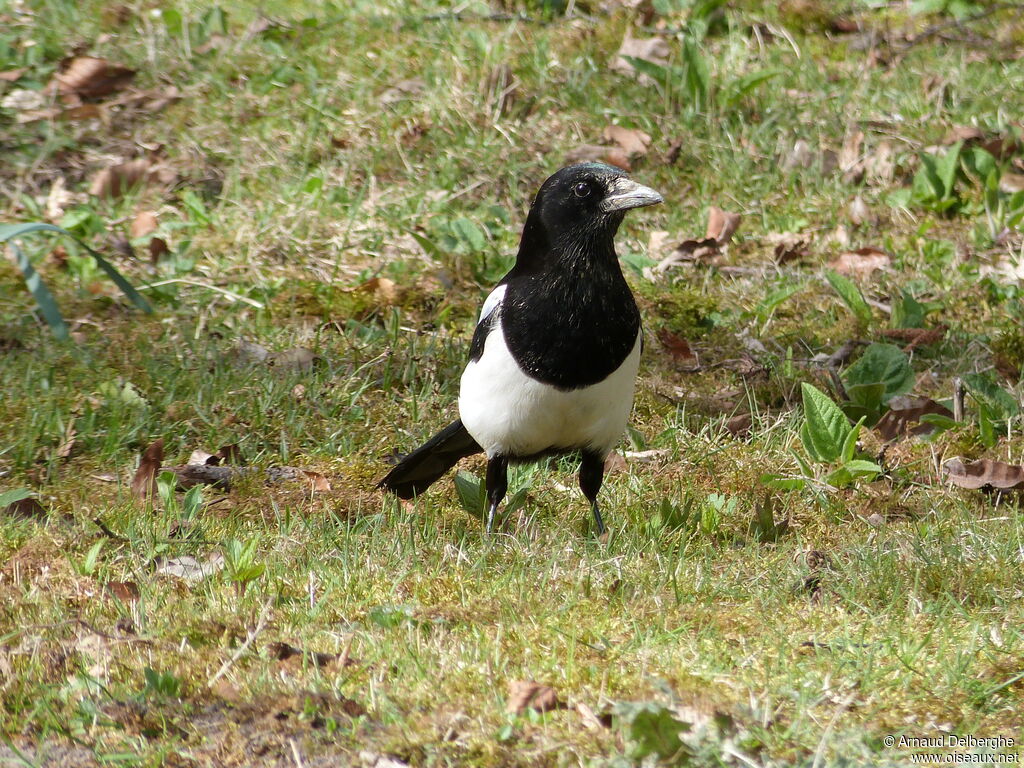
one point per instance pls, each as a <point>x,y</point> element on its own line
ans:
<point>582,189</point>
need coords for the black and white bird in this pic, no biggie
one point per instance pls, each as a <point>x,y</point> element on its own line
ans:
<point>553,362</point>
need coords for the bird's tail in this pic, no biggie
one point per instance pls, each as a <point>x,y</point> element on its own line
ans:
<point>417,471</point>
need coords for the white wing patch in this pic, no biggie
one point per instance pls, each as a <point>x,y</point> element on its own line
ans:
<point>492,302</point>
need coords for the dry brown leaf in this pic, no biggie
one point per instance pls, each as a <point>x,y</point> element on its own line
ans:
<point>594,153</point>
<point>403,89</point>
<point>590,720</point>
<point>157,248</point>
<point>800,156</point>
<point>143,224</point>
<point>89,77</point>
<point>789,246</point>
<point>904,417</point>
<point>68,443</point>
<point>12,75</point>
<point>82,112</point>
<point>880,165</point>
<point>849,161</point>
<point>116,180</point>
<point>676,346</point>
<point>297,359</point>
<point>189,569</point>
<point>721,225</point>
<point>964,133</point>
<point>1011,183</point>
<point>614,463</point>
<point>633,141</point>
<point>526,694</point>
<point>144,482</point>
<point>285,652</point>
<point>858,212</point>
<point>384,290</point>
<point>916,337</point>
<point>125,591</point>
<point>653,49</point>
<point>317,481</point>
<point>739,425</point>
<point>25,509</point>
<point>862,261</point>
<point>984,473</point>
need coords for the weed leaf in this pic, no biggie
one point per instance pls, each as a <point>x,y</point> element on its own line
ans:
<point>825,426</point>
<point>851,296</point>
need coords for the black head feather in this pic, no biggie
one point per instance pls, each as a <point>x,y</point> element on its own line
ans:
<point>579,209</point>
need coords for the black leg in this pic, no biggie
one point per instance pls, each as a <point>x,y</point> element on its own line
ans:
<point>591,477</point>
<point>497,485</point>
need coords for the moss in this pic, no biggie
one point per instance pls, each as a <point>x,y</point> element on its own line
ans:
<point>1008,351</point>
<point>680,309</point>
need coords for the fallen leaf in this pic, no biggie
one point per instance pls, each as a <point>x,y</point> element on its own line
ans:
<point>614,463</point>
<point>22,100</point>
<point>904,417</point>
<point>317,481</point>
<point>676,346</point>
<point>384,290</point>
<point>645,457</point>
<point>1011,183</point>
<point>984,473</point>
<point>89,77</point>
<point>58,199</point>
<point>143,224</point>
<point>721,225</point>
<point>157,248</point>
<point>916,337</point>
<point>595,153</point>
<point>297,359</point>
<point>634,142</point>
<point>12,75</point>
<point>862,261</point>
<point>189,569</point>
<point>739,425</point>
<point>652,49</point>
<point>789,246</point>
<point>403,89</point>
<point>125,591</point>
<point>144,482</point>
<point>590,720</point>
<point>964,133</point>
<point>25,509</point>
<point>526,694</point>
<point>849,161</point>
<point>880,165</point>
<point>82,112</point>
<point>283,652</point>
<point>800,156</point>
<point>68,443</point>
<point>858,212</point>
<point>115,180</point>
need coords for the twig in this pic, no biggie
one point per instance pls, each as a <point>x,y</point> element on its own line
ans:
<point>260,623</point>
<point>959,392</point>
<point>937,29</point>
<point>107,532</point>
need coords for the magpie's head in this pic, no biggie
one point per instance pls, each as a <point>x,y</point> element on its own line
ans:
<point>585,203</point>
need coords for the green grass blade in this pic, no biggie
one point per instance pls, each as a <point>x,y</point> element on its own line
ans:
<point>36,286</point>
<point>7,231</point>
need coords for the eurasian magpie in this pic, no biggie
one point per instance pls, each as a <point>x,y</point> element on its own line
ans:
<point>554,357</point>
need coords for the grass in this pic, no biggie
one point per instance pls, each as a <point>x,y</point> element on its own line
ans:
<point>403,142</point>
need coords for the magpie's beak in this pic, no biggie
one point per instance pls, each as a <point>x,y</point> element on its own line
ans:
<point>626,194</point>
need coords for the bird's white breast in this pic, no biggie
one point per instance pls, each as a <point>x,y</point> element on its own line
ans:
<point>510,414</point>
